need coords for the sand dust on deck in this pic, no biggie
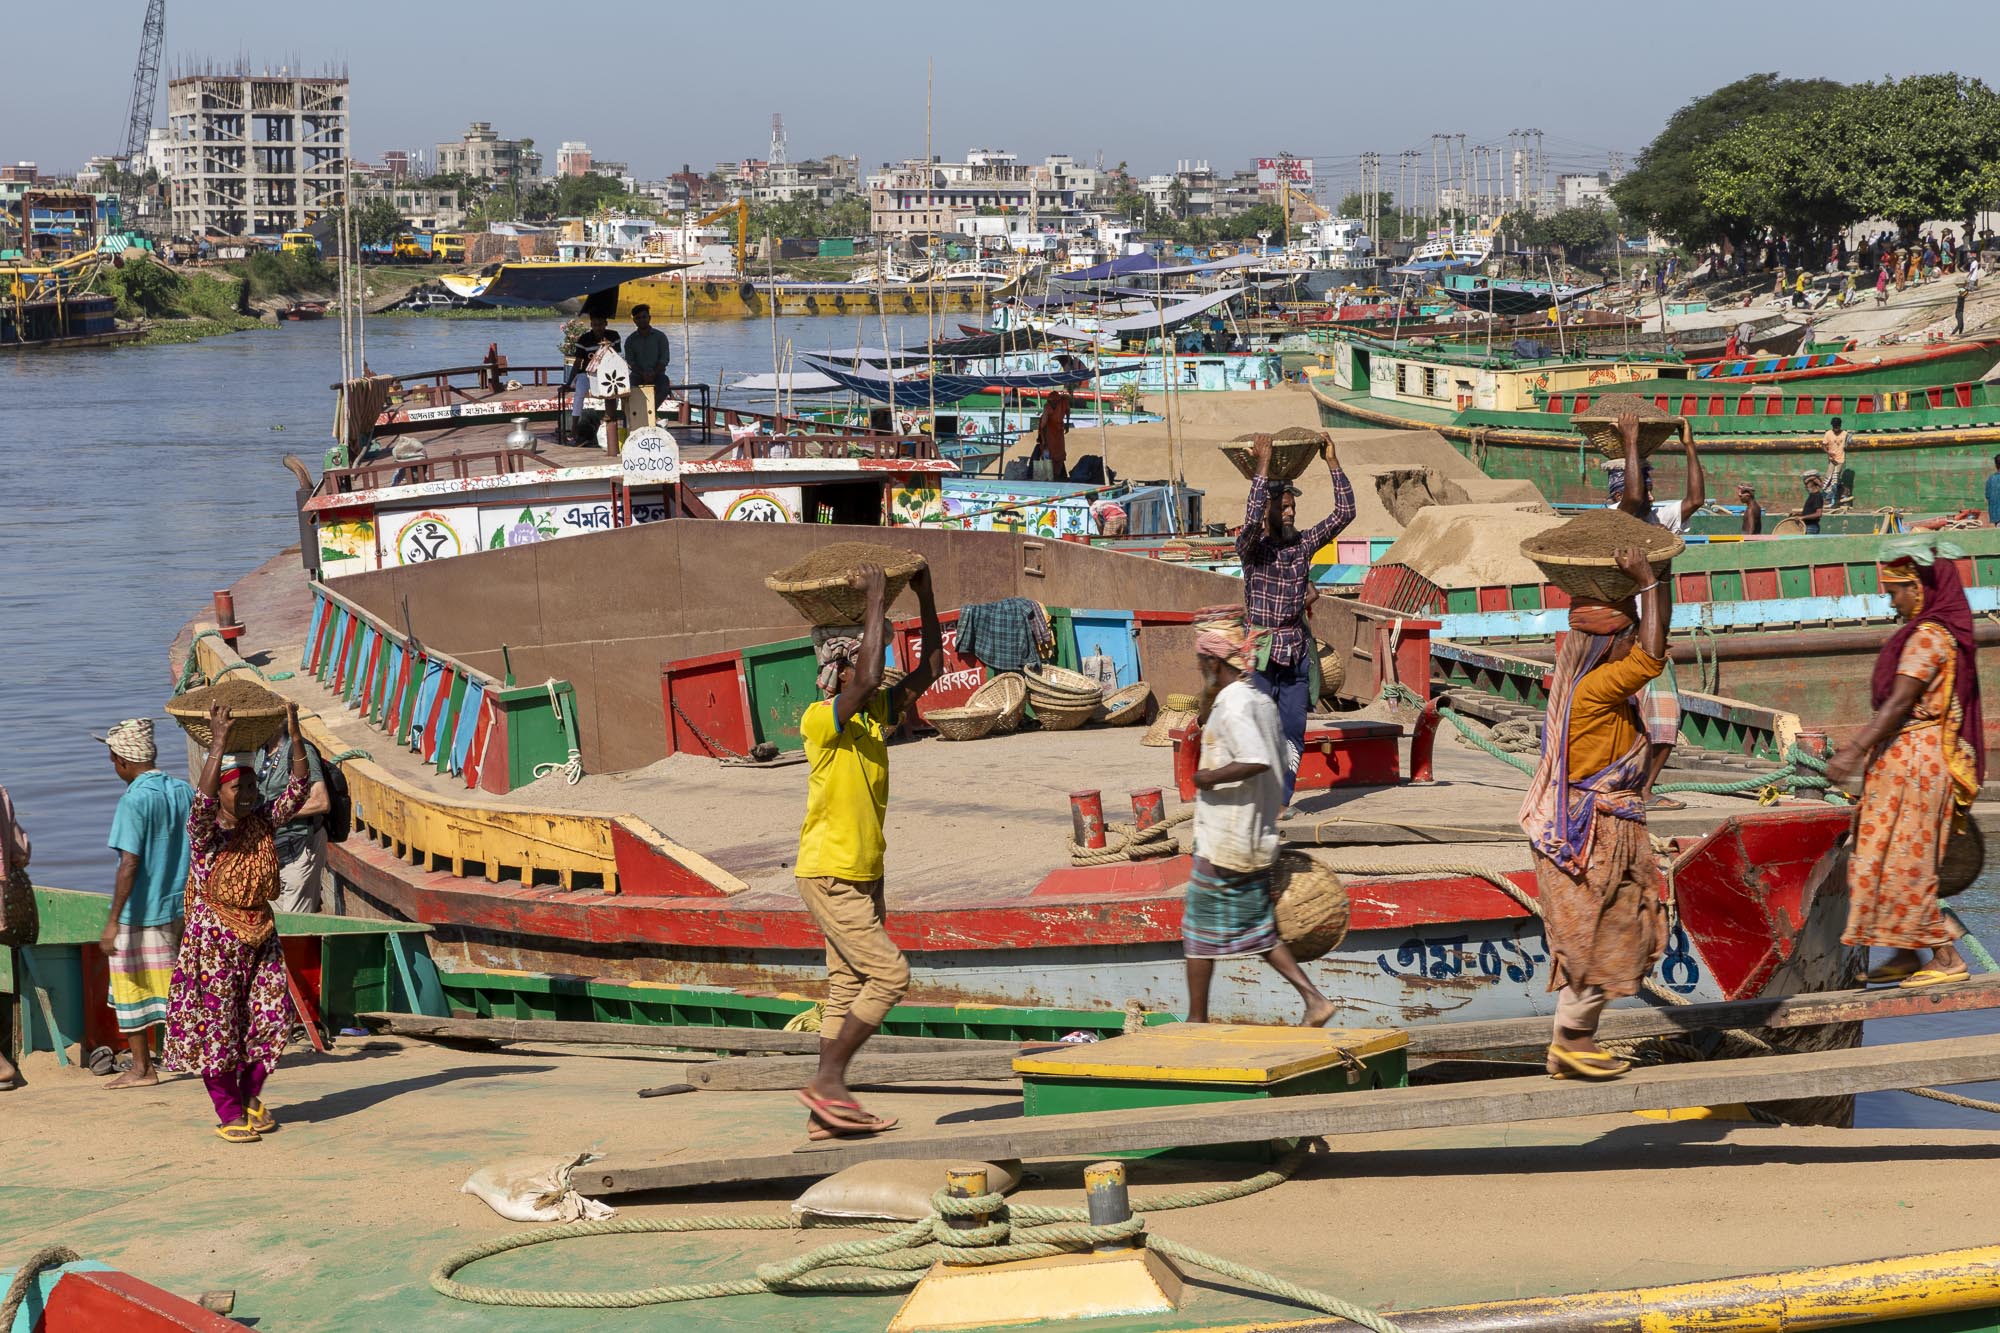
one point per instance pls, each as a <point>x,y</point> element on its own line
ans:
<point>333,1222</point>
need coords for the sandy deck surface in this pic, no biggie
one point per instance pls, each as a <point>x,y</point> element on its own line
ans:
<point>334,1221</point>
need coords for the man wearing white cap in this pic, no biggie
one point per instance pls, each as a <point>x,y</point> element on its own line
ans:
<point>143,936</point>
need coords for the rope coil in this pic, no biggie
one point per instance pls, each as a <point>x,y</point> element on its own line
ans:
<point>1124,841</point>
<point>897,1260</point>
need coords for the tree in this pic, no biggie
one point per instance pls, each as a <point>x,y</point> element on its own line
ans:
<point>1927,146</point>
<point>1789,171</point>
<point>1664,188</point>
<point>1177,198</point>
<point>376,221</point>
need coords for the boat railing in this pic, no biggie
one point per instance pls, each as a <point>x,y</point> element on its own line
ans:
<point>458,465</point>
<point>809,442</point>
<point>1757,400</point>
<point>463,381</point>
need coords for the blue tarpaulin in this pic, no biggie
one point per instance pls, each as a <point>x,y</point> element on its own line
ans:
<point>921,390</point>
<point>1112,269</point>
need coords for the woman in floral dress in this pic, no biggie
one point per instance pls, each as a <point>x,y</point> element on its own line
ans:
<point>226,1016</point>
<point>1925,758</point>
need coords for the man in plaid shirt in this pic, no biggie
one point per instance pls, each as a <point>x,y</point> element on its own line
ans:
<point>1277,569</point>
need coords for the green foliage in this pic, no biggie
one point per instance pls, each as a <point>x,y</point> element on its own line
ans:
<point>186,306</point>
<point>143,289</point>
<point>809,218</point>
<point>272,273</point>
<point>1665,186</point>
<point>1577,233</point>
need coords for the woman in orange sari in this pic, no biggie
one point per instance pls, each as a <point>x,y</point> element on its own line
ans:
<point>1924,756</point>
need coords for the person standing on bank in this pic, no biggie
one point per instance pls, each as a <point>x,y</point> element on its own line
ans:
<point>842,842</point>
<point>227,1017</point>
<point>1585,817</point>
<point>1231,908</point>
<point>1923,765</point>
<point>143,936</point>
<point>1277,574</point>
<point>19,923</point>
<point>1835,443</point>
<point>647,353</point>
<point>302,840</point>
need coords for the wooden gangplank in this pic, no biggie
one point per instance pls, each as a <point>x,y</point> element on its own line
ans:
<point>674,1037</point>
<point>878,1067</point>
<point>1498,1101</point>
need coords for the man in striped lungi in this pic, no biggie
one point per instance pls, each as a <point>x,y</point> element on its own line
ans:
<point>143,936</point>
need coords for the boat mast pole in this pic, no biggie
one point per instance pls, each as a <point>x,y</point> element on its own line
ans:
<point>1562,343</point>
<point>930,274</point>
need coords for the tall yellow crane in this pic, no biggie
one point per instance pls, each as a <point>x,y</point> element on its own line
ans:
<point>741,208</point>
<point>1313,207</point>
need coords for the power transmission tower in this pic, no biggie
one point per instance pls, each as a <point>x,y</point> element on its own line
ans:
<point>139,114</point>
<point>1406,168</point>
<point>777,138</point>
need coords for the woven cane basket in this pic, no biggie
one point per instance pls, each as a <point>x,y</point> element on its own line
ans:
<point>251,726</point>
<point>1059,685</point>
<point>1600,425</point>
<point>1292,452</point>
<point>962,724</point>
<point>1007,693</point>
<point>818,588</point>
<point>1598,576</point>
<point>1311,906</point>
<point>1064,717</point>
<point>1129,706</point>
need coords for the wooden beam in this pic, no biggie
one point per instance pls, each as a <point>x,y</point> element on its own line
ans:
<point>1782,1011</point>
<point>1500,1101</point>
<point>762,1073</point>
<point>697,1038</point>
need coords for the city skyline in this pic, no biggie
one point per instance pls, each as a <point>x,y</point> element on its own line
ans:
<point>693,93</point>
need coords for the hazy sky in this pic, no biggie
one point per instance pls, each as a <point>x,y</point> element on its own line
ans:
<point>660,84</point>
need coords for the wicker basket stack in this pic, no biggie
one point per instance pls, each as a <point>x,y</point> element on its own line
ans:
<point>819,587</point>
<point>1064,700</point>
<point>1177,712</point>
<point>1006,692</point>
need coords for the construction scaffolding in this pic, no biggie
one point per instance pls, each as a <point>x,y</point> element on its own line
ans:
<point>255,154</point>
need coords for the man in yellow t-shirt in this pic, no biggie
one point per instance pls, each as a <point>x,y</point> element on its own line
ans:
<point>841,844</point>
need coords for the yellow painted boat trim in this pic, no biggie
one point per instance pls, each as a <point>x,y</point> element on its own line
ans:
<point>423,828</point>
<point>1213,1053</point>
<point>1835,1296</point>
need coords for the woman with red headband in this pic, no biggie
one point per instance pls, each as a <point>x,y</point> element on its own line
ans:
<point>1924,756</point>
<point>226,1017</point>
<point>1585,817</point>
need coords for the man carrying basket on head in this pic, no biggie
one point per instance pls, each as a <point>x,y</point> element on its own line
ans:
<point>1277,576</point>
<point>1585,816</point>
<point>841,844</point>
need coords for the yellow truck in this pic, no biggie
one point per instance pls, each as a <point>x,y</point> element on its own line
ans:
<point>448,247</point>
<point>300,243</point>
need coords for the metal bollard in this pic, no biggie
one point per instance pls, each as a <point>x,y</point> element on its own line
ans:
<point>1104,1189</point>
<point>1149,807</point>
<point>1820,746</point>
<point>965,1182</point>
<point>1086,818</point>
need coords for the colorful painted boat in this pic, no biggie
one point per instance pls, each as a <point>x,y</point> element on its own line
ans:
<point>1944,363</point>
<point>1927,447</point>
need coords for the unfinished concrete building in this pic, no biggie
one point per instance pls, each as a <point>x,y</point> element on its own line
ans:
<point>255,154</point>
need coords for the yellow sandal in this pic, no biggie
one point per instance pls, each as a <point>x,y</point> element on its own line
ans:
<point>237,1131</point>
<point>1931,976</point>
<point>1590,1065</point>
<point>260,1118</point>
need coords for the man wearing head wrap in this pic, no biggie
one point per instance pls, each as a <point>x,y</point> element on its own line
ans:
<point>143,935</point>
<point>1277,578</point>
<point>1585,817</point>
<point>1229,911</point>
<point>1924,762</point>
<point>19,924</point>
<point>842,843</point>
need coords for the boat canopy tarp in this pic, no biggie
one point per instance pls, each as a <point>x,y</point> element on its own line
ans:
<point>799,381</point>
<point>1210,266</point>
<point>1179,313</point>
<point>551,283</point>
<point>1113,268</point>
<point>921,390</point>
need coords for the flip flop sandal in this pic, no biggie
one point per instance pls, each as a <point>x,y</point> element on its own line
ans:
<point>260,1118</point>
<point>1666,803</point>
<point>818,1131</point>
<point>1587,1065</point>
<point>1930,976</point>
<point>1889,972</point>
<point>238,1132</point>
<point>835,1113</point>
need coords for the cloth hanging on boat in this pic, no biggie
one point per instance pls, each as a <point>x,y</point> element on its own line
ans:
<point>1008,635</point>
<point>918,390</point>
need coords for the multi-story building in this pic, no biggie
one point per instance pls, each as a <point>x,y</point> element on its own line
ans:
<point>573,158</point>
<point>255,155</point>
<point>822,180</point>
<point>401,163</point>
<point>484,155</point>
<point>424,209</point>
<point>1590,190</point>
<point>917,198</point>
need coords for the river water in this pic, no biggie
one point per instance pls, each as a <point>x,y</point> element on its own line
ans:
<point>134,481</point>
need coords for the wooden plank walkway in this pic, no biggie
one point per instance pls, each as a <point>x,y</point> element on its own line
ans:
<point>876,1068</point>
<point>1499,1101</point>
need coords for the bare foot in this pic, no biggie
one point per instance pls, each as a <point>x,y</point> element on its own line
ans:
<point>1317,1013</point>
<point>133,1079</point>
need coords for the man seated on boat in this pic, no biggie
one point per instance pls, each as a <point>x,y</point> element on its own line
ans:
<point>1229,909</point>
<point>647,354</point>
<point>1277,576</point>
<point>599,334</point>
<point>1596,878</point>
<point>1660,707</point>
<point>841,844</point>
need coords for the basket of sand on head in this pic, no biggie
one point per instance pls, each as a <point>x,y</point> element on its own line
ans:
<point>820,584</point>
<point>1580,556</point>
<point>1599,424</point>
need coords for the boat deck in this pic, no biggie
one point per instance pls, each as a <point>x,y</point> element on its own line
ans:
<point>969,822</point>
<point>334,1221</point>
